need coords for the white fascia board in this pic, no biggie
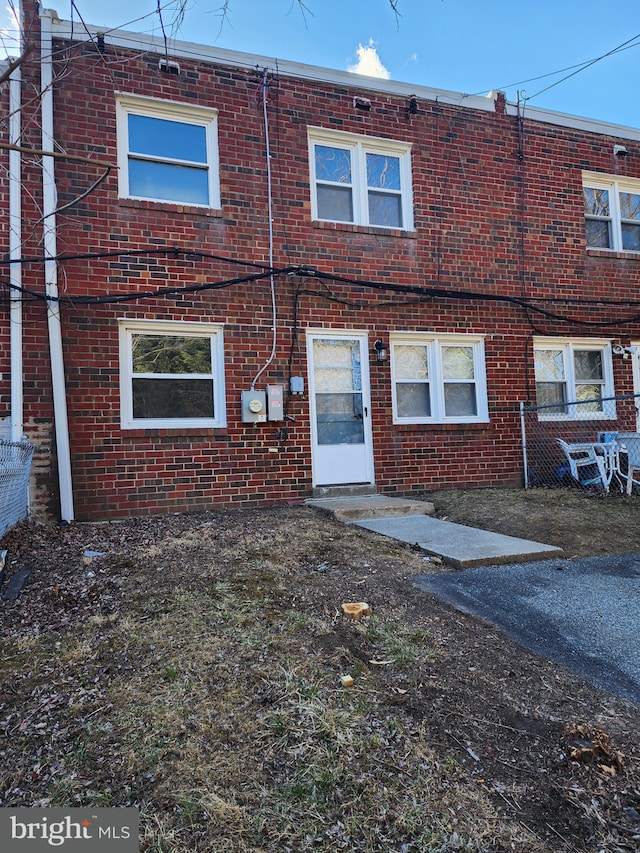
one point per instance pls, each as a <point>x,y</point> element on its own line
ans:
<point>590,125</point>
<point>236,59</point>
<point>219,56</point>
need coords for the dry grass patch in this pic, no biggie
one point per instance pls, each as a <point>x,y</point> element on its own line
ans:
<point>195,672</point>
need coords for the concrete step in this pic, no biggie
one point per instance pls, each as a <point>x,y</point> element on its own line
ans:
<point>349,509</point>
<point>358,490</point>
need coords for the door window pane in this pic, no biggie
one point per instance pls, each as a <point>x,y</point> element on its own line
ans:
<point>337,365</point>
<point>339,419</point>
<point>337,373</point>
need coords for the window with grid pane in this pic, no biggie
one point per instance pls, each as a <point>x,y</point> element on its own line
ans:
<point>438,379</point>
<point>360,179</point>
<point>572,377</point>
<point>612,212</point>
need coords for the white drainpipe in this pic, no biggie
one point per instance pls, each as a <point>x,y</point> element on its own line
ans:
<point>49,202</point>
<point>15,252</point>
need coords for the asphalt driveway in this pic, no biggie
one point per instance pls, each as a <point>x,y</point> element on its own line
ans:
<point>583,614</point>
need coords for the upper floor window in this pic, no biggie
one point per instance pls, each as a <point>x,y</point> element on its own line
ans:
<point>168,152</point>
<point>612,212</point>
<point>438,379</point>
<point>171,375</point>
<point>572,377</point>
<point>360,179</point>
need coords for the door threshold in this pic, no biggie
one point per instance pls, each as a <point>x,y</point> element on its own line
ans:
<point>347,490</point>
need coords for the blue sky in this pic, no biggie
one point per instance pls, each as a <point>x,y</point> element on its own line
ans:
<point>468,46</point>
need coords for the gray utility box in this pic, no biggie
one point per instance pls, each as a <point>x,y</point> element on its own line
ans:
<point>254,407</point>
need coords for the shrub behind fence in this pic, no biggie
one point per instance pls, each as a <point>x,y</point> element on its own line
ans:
<point>15,464</point>
<point>579,421</point>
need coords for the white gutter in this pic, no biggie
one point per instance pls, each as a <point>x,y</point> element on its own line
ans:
<point>15,252</point>
<point>49,202</point>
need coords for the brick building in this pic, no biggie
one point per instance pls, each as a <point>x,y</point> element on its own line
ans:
<point>243,279</point>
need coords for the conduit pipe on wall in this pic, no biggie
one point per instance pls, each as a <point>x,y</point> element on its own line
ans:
<point>49,198</point>
<point>15,252</point>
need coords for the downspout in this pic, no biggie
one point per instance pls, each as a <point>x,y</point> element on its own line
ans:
<point>15,252</point>
<point>49,200</point>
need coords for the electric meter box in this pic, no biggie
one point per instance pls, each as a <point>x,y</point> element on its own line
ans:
<point>254,407</point>
<point>275,395</point>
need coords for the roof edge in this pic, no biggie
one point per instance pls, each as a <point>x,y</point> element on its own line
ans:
<point>73,31</point>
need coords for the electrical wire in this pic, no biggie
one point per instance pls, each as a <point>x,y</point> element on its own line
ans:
<point>580,66</point>
<point>274,310</point>
<point>586,65</point>
<point>534,304</point>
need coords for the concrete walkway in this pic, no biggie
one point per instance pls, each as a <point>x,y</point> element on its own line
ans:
<point>410,521</point>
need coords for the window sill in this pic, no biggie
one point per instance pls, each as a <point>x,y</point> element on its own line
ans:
<point>363,229</point>
<point>473,426</point>
<point>170,207</point>
<point>173,432</point>
<point>613,253</point>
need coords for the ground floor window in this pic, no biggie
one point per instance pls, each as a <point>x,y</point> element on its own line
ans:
<point>572,377</point>
<point>438,379</point>
<point>171,374</point>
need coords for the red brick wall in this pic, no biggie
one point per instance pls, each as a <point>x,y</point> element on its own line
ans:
<point>469,236</point>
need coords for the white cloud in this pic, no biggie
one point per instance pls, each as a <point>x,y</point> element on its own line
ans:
<point>368,62</point>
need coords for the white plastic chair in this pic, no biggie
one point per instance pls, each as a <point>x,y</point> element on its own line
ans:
<point>582,455</point>
<point>629,445</point>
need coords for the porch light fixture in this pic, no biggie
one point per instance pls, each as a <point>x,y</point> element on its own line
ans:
<point>625,352</point>
<point>381,351</point>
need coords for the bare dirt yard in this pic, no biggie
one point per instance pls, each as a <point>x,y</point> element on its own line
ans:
<point>195,666</point>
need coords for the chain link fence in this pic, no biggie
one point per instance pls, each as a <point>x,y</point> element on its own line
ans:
<point>594,424</point>
<point>15,464</point>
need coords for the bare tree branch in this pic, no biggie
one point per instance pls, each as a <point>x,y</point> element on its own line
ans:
<point>15,64</point>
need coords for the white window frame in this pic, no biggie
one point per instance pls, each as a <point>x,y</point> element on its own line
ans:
<point>434,345</point>
<point>214,331</point>
<point>568,346</point>
<point>170,111</point>
<point>615,185</point>
<point>359,146</point>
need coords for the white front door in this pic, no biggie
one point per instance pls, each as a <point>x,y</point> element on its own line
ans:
<point>341,443</point>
